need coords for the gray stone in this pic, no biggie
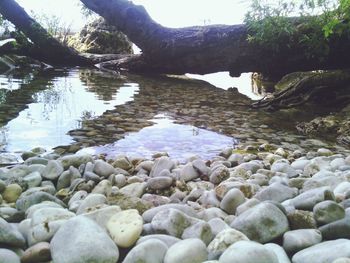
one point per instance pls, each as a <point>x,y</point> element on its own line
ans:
<point>45,222</point>
<point>67,177</point>
<point>300,164</point>
<point>11,214</point>
<point>10,236</point>
<point>183,251</point>
<point>27,199</point>
<point>104,187</point>
<point>296,240</point>
<point>33,179</point>
<point>223,240</point>
<point>201,230</point>
<point>103,214</point>
<point>8,256</point>
<point>249,203</point>
<point>91,202</point>
<point>328,211</point>
<point>276,192</point>
<point>52,170</point>
<point>248,252</point>
<point>262,223</point>
<point>279,252</point>
<point>75,160</point>
<point>134,189</point>
<point>166,239</point>
<point>81,240</point>
<point>232,199</point>
<point>188,173</point>
<point>201,167</point>
<point>325,252</point>
<point>149,251</point>
<point>103,169</point>
<point>217,225</point>
<point>308,199</point>
<point>162,163</point>
<point>149,214</point>
<point>159,183</point>
<point>337,229</point>
<point>284,167</point>
<point>172,222</point>
<point>46,204</point>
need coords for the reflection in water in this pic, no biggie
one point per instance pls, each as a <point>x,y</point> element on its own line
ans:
<point>179,141</point>
<point>45,115</point>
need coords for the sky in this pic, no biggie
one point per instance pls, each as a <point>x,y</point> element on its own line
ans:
<point>171,13</point>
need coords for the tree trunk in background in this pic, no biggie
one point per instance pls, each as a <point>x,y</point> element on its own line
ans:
<point>204,49</point>
<point>45,48</point>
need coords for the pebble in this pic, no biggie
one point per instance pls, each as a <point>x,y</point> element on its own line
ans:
<point>324,252</point>
<point>125,227</point>
<point>191,250</point>
<point>150,251</point>
<point>296,240</point>
<point>11,193</point>
<point>8,256</point>
<point>262,223</point>
<point>248,252</point>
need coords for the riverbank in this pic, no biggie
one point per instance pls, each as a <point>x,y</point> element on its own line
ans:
<point>250,204</point>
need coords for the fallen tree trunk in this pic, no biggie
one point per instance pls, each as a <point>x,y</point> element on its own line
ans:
<point>205,49</point>
<point>45,48</point>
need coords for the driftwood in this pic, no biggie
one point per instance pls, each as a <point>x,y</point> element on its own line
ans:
<point>327,88</point>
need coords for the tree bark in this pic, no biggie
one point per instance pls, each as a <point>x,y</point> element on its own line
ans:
<point>205,49</point>
<point>46,48</point>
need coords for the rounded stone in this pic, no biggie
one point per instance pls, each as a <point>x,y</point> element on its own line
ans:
<point>232,199</point>
<point>296,240</point>
<point>248,252</point>
<point>223,240</point>
<point>103,169</point>
<point>191,250</point>
<point>324,252</point>
<point>40,252</point>
<point>125,227</point>
<point>81,240</point>
<point>262,223</point>
<point>52,170</point>
<point>159,183</point>
<point>328,211</point>
<point>12,193</point>
<point>149,251</point>
<point>8,256</point>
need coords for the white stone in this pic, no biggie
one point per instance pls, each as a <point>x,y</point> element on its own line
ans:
<point>191,250</point>
<point>125,227</point>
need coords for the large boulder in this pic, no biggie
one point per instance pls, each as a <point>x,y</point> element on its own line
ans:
<point>82,240</point>
<point>100,38</point>
<point>262,223</point>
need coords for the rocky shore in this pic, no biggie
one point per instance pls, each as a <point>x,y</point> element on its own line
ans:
<point>258,204</point>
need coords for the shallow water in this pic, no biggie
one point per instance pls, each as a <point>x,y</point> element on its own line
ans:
<point>44,107</point>
<point>180,141</point>
<point>78,108</point>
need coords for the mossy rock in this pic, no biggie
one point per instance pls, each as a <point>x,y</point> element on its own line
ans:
<point>100,38</point>
<point>129,202</point>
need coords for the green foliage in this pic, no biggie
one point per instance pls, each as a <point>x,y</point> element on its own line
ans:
<point>272,26</point>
